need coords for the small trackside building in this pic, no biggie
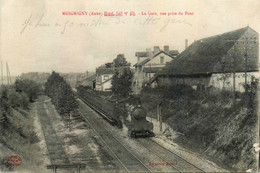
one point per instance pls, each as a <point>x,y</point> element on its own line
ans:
<point>103,79</point>
<point>221,61</point>
<point>89,81</point>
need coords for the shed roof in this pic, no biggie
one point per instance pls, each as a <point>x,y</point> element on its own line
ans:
<point>205,55</point>
<point>105,71</point>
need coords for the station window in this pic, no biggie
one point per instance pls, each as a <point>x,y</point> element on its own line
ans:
<point>106,77</point>
<point>162,60</point>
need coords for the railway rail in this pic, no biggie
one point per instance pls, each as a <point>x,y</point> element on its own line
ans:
<point>99,111</point>
<point>170,157</point>
<point>161,152</point>
<point>127,159</point>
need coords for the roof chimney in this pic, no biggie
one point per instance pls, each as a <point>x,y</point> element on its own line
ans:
<point>186,43</point>
<point>166,48</point>
<point>148,50</point>
<point>156,49</point>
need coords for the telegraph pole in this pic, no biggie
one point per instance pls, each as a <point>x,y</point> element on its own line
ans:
<point>2,69</point>
<point>159,115</point>
<point>246,72</point>
<point>256,145</point>
<point>2,73</point>
<point>7,74</point>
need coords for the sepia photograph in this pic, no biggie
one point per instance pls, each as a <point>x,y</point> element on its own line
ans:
<point>129,86</point>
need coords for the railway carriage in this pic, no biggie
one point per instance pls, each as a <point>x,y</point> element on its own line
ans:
<point>113,113</point>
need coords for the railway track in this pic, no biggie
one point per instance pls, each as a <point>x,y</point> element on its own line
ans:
<point>169,157</point>
<point>54,144</point>
<point>177,162</point>
<point>126,158</point>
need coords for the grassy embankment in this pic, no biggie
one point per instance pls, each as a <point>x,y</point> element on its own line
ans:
<point>211,123</point>
<point>17,128</point>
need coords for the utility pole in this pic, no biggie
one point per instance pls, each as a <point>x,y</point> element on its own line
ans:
<point>256,145</point>
<point>9,81</point>
<point>246,59</point>
<point>7,74</point>
<point>234,86</point>
<point>159,115</point>
<point>2,73</point>
<point>246,73</point>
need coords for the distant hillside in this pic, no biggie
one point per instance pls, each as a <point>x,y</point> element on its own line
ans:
<point>41,78</point>
<point>36,76</point>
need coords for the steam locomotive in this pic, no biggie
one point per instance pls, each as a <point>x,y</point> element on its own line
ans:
<point>115,112</point>
<point>139,126</point>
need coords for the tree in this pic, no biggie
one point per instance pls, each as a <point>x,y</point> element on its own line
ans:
<point>61,94</point>
<point>122,84</point>
<point>109,65</point>
<point>115,82</point>
<point>120,61</point>
<point>122,79</point>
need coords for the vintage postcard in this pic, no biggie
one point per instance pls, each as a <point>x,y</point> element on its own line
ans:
<point>129,86</point>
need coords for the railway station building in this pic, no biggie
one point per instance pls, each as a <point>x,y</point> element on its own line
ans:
<point>149,63</point>
<point>221,61</point>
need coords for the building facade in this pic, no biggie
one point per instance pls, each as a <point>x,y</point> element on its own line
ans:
<point>103,79</point>
<point>219,61</point>
<point>148,64</point>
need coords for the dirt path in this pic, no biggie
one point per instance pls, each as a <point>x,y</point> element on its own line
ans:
<point>55,145</point>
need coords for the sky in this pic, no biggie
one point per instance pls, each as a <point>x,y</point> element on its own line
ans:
<point>36,37</point>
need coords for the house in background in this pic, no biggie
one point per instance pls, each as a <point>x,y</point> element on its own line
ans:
<point>219,61</point>
<point>103,79</point>
<point>149,63</point>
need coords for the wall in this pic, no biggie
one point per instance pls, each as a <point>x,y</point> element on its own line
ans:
<point>215,80</point>
<point>192,81</point>
<point>107,86</point>
<point>141,77</point>
<point>228,84</point>
<point>103,77</point>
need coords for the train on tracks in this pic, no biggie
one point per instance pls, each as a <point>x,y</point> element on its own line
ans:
<point>115,112</point>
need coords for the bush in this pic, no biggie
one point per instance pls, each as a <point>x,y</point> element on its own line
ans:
<point>31,88</point>
<point>180,90</point>
<point>33,137</point>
